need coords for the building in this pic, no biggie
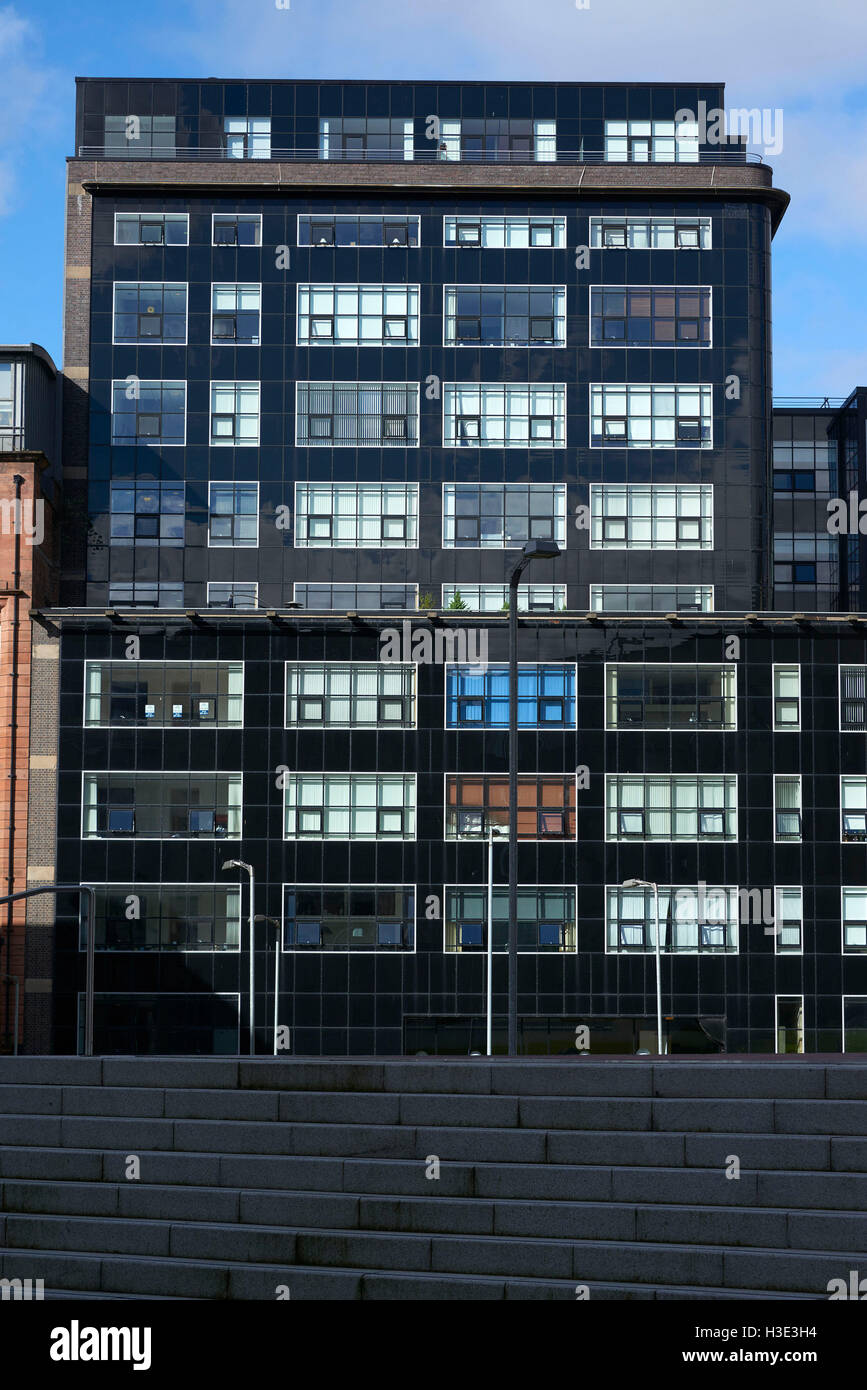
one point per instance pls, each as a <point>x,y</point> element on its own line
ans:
<point>334,353</point>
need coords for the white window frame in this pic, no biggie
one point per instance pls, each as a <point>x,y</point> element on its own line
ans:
<point>788,777</point>
<point>691,665</point>
<point>844,889</point>
<point>611,778</point>
<point>503,776</point>
<point>781,728</point>
<point>346,951</point>
<point>248,582</point>
<point>237,286</point>
<point>674,131</point>
<point>334,584</point>
<point>506,220</point>
<point>645,347</point>
<point>503,665</point>
<point>123,664</point>
<point>234,483</point>
<point>237,245</point>
<point>131,887</point>
<point>704,226</point>
<point>597,604</point>
<point>500,594</point>
<point>359,666</point>
<point>847,665</point>
<point>138,442</point>
<point>382,217</point>
<point>558,520</point>
<point>332,443</point>
<point>234,442</point>
<point>703,492</point>
<point>247,135</point>
<point>410,778</point>
<point>559,320</point>
<point>851,777</point>
<point>559,416</point>
<point>411,518</point>
<point>152,342</point>
<point>599,389</point>
<point>649,949</point>
<point>788,888</point>
<point>412,290</point>
<point>160,839</point>
<point>497,951</point>
<point>154,216</point>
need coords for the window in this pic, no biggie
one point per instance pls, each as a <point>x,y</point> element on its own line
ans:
<point>234,514</point>
<point>360,414</point>
<point>788,921</point>
<point>150,313</point>
<point>236,229</point>
<point>853,807</point>
<point>787,697</point>
<point>523,232</point>
<point>495,416</point>
<point>494,598</point>
<point>146,514</point>
<point>650,316</point>
<point>854,1023</point>
<point>358,315</point>
<point>161,805</point>
<point>170,917</point>
<point>377,598</point>
<point>350,806</point>
<point>144,594</point>
<point>651,598</point>
<point>671,808</point>
<point>854,919</point>
<point>790,1023</point>
<point>151,229</point>
<point>11,405</point>
<point>477,697</point>
<point>787,808</point>
<point>148,412</point>
<point>139,137</point>
<point>505,315</point>
<point>477,804</point>
<point>381,515</point>
<point>347,229</point>
<point>154,694</point>
<point>692,920</point>
<point>651,516</point>
<point>651,233</point>
<point>350,695</point>
<point>640,696</point>
<point>651,417</point>
<point>235,412</point>
<point>502,516</point>
<point>366,917</point>
<point>853,699</point>
<point>498,140</point>
<point>802,558</point>
<point>365,138</point>
<point>233,595</point>
<point>657,141</point>
<point>546,919</point>
<point>236,314</point>
<point>247,137</point>
<point>168,1023</point>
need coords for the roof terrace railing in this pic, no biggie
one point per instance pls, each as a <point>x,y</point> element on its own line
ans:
<point>376,156</point>
<point>809,402</point>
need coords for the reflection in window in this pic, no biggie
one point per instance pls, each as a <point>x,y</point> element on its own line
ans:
<point>349,918</point>
<point>670,697</point>
<point>505,315</point>
<point>546,919</point>
<point>349,806</point>
<point>502,516</point>
<point>166,917</point>
<point>161,805</point>
<point>154,693</point>
<point>350,695</point>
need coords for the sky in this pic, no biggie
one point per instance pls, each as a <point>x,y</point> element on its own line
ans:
<point>791,56</point>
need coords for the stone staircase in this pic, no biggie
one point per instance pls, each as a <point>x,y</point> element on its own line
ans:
<point>314,1178</point>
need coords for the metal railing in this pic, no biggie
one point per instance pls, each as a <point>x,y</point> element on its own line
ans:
<point>809,402</point>
<point>419,156</point>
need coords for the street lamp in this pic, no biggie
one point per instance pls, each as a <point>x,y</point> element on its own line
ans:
<point>278,925</point>
<point>533,550</point>
<point>239,864</point>
<point>492,831</point>
<point>643,883</point>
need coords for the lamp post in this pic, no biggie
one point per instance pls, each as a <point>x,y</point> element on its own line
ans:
<point>643,883</point>
<point>239,864</point>
<point>492,831</point>
<point>278,925</point>
<point>533,550</point>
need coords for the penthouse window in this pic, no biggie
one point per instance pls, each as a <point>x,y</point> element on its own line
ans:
<point>651,516</point>
<point>236,314</point>
<point>233,595</point>
<point>156,694</point>
<point>357,414</point>
<point>787,808</point>
<point>853,808</point>
<point>496,140</point>
<point>381,515</point>
<point>169,917</point>
<point>236,229</point>
<point>350,695</point>
<point>494,598</point>
<point>659,142</point>
<point>650,316</point>
<point>694,921</point>
<point>358,315</point>
<point>651,417</point>
<point>139,137</point>
<point>235,413</point>
<point>789,920</point>
<point>247,137</point>
<point>505,232</point>
<point>233,514</point>
<point>642,696</point>
<point>651,598</point>
<point>377,598</point>
<point>349,918</point>
<point>152,312</point>
<point>671,808</point>
<point>546,919</point>
<point>151,229</point>
<point>161,805</point>
<point>148,412</point>
<point>350,806</point>
<point>147,514</point>
<point>146,594</point>
<point>505,316</point>
<point>477,804</point>
<point>651,233</point>
<point>365,138</point>
<point>854,920</point>
<point>853,699</point>
<point>502,516</point>
<point>345,229</point>
<point>477,697</point>
<point>497,416</point>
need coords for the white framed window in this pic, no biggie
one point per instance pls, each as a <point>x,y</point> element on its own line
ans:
<point>524,232</point>
<point>161,805</point>
<point>357,515</point>
<point>673,696</point>
<point>232,595</point>
<point>853,918</point>
<point>494,598</point>
<point>349,806</point>
<point>149,412</point>
<point>854,1010</point>
<point>163,694</point>
<point>497,140</point>
<point>477,803</point>
<point>235,413</point>
<point>357,414</point>
<point>236,229</point>
<point>151,229</point>
<point>150,311</point>
<point>350,695</point>
<point>651,598</point>
<point>361,919</point>
<point>494,415</point>
<point>651,233</point>
<point>787,697</point>
<point>233,514</point>
<point>236,314</point>
<point>366,138</point>
<point>789,920</point>
<point>362,229</point>
<point>693,920</point>
<point>651,417</point>
<point>502,516</point>
<point>692,809</point>
<point>789,1022</point>
<point>853,699</point>
<point>648,316</point>
<point>358,315</point>
<point>787,807</point>
<point>342,598</point>
<point>547,919</point>
<point>247,137</point>
<point>853,809</point>
<point>642,142</point>
<point>504,315</point>
<point>651,516</point>
<point>177,917</point>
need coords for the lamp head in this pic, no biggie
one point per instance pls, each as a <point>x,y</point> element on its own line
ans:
<point>541,549</point>
<point>231,864</point>
<point>636,883</point>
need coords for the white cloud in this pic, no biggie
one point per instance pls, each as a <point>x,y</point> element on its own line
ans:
<point>29,106</point>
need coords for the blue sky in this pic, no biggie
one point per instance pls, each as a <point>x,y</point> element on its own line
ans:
<point>808,61</point>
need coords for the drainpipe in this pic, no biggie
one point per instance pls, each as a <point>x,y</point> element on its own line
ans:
<point>13,737</point>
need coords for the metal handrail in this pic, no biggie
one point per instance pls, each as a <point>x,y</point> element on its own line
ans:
<point>809,402</point>
<point>419,156</point>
